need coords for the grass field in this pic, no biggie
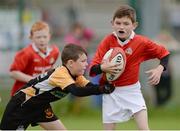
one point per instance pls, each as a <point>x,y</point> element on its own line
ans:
<point>164,118</point>
<point>159,119</point>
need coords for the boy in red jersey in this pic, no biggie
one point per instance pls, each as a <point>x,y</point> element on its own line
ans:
<point>38,57</point>
<point>127,100</point>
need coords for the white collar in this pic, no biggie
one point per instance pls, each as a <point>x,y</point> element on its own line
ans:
<point>122,43</point>
<point>40,53</point>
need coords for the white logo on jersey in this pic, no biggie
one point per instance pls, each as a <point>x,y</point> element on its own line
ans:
<point>129,51</point>
<point>36,60</point>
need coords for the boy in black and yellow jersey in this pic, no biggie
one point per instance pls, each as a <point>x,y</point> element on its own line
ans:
<point>31,104</point>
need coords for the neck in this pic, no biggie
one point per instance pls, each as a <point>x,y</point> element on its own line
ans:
<point>44,51</point>
<point>70,72</point>
<point>121,39</point>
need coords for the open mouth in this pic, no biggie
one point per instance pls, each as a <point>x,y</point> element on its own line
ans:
<point>42,45</point>
<point>121,32</point>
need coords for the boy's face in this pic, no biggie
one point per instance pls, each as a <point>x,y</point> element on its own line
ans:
<point>79,66</point>
<point>123,27</point>
<point>41,39</point>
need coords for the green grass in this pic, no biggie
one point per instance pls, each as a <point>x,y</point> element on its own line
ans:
<point>159,119</point>
<point>164,118</point>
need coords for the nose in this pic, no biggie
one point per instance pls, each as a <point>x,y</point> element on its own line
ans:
<point>121,26</point>
<point>42,39</point>
<point>86,63</point>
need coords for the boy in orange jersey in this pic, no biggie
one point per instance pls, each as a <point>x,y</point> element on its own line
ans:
<point>38,57</point>
<point>127,100</point>
<point>31,105</point>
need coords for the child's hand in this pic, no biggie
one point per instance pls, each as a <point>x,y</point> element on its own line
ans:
<point>107,88</point>
<point>108,67</point>
<point>154,75</point>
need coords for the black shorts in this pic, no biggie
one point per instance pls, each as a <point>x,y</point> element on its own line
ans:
<point>19,116</point>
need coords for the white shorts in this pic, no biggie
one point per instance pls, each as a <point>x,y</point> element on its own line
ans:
<point>120,105</point>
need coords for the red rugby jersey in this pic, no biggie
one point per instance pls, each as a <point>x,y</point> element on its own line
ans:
<point>31,61</point>
<point>137,50</point>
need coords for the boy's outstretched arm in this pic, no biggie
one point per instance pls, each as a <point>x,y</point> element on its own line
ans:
<point>90,89</point>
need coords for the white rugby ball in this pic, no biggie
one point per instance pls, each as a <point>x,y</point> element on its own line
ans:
<point>116,55</point>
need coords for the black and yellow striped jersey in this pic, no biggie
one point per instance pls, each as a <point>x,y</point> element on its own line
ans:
<point>51,86</point>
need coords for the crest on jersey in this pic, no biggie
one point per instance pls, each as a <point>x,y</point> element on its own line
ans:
<point>129,51</point>
<point>49,113</point>
<point>36,60</point>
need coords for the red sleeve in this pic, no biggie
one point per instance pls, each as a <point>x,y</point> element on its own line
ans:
<point>101,50</point>
<point>21,60</point>
<point>153,50</point>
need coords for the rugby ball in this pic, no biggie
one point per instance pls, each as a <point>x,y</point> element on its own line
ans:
<point>115,55</point>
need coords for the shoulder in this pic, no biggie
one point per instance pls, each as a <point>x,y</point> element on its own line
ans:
<point>108,40</point>
<point>54,48</point>
<point>61,70</point>
<point>62,73</point>
<point>61,78</point>
<point>141,38</point>
<point>26,51</point>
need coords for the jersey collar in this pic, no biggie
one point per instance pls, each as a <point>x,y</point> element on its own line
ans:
<point>40,53</point>
<point>122,43</point>
<point>74,77</point>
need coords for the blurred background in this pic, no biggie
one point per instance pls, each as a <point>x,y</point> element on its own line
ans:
<point>158,19</point>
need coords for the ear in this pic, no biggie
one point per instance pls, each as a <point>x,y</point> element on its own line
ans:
<point>70,63</point>
<point>135,25</point>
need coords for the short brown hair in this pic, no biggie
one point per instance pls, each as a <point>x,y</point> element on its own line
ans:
<point>71,52</point>
<point>39,25</point>
<point>125,10</point>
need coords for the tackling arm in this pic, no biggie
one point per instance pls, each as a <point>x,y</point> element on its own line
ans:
<point>90,89</point>
<point>96,69</point>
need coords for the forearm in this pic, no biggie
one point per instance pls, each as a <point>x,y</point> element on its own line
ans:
<point>17,75</point>
<point>96,69</point>
<point>164,62</point>
<point>89,89</point>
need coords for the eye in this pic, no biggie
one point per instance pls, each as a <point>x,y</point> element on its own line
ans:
<point>85,60</point>
<point>118,23</point>
<point>126,23</point>
<point>45,37</point>
<point>38,37</point>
